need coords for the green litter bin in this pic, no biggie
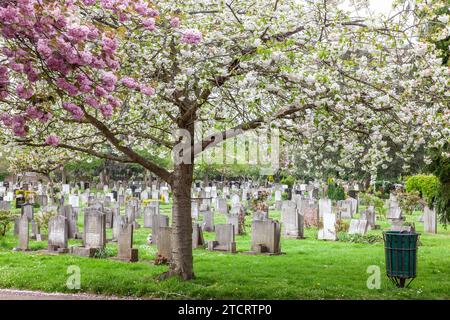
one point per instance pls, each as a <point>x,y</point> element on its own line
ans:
<point>401,256</point>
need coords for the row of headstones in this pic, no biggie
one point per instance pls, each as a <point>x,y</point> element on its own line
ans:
<point>301,213</point>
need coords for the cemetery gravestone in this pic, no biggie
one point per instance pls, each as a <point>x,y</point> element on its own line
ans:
<point>149,212</point>
<point>164,244</point>
<point>328,231</point>
<point>125,251</point>
<point>292,220</point>
<point>358,227</point>
<point>266,237</point>
<point>94,235</point>
<point>197,236</point>
<point>225,239</point>
<point>158,221</point>
<point>429,220</point>
<point>208,221</point>
<point>24,229</point>
<point>324,207</point>
<point>58,234</point>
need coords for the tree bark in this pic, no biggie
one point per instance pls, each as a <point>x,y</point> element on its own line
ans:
<point>182,260</point>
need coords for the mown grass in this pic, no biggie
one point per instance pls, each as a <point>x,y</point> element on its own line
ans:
<point>309,269</point>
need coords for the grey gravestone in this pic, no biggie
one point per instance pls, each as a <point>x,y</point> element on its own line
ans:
<point>94,235</point>
<point>370,216</point>
<point>311,215</point>
<point>125,251</point>
<point>197,236</point>
<point>131,214</point>
<point>266,237</point>
<point>121,200</point>
<point>358,227</point>
<point>164,244</point>
<point>158,221</point>
<point>225,239</point>
<point>345,209</point>
<point>292,220</point>
<point>58,234</point>
<point>208,221</point>
<point>324,207</point>
<point>222,206</point>
<point>27,210</point>
<point>354,206</point>
<point>234,220</point>
<point>429,220</point>
<point>118,220</point>
<point>109,218</point>
<point>24,237</point>
<point>261,216</point>
<point>194,210</point>
<point>328,230</point>
<point>149,212</point>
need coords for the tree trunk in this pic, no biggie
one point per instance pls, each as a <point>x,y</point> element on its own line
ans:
<point>182,264</point>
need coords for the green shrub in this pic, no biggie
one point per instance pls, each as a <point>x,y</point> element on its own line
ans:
<point>409,201</point>
<point>43,218</point>
<point>376,202</point>
<point>426,185</point>
<point>288,180</point>
<point>357,238</point>
<point>6,217</point>
<point>335,192</point>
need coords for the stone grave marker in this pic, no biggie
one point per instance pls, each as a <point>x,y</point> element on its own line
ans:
<point>225,239</point>
<point>149,212</point>
<point>234,220</point>
<point>158,221</point>
<point>310,212</point>
<point>164,245</point>
<point>371,217</point>
<point>58,234</point>
<point>24,234</point>
<point>345,209</point>
<point>194,210</point>
<point>222,206</point>
<point>354,206</point>
<point>94,235</point>
<point>293,222</point>
<point>328,230</point>
<point>208,221</point>
<point>197,236</point>
<point>429,220</point>
<point>358,226</point>
<point>261,215</point>
<point>125,250</point>
<point>28,211</point>
<point>266,237</point>
<point>324,207</point>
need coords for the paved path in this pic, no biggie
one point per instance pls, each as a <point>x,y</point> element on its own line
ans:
<point>7,294</point>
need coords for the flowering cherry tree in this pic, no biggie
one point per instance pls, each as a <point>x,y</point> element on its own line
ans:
<point>92,76</point>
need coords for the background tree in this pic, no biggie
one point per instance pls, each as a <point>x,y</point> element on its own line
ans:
<point>93,76</point>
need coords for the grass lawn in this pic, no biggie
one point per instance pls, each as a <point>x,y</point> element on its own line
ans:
<point>309,269</point>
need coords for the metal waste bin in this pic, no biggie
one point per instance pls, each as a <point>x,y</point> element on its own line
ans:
<point>401,256</point>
